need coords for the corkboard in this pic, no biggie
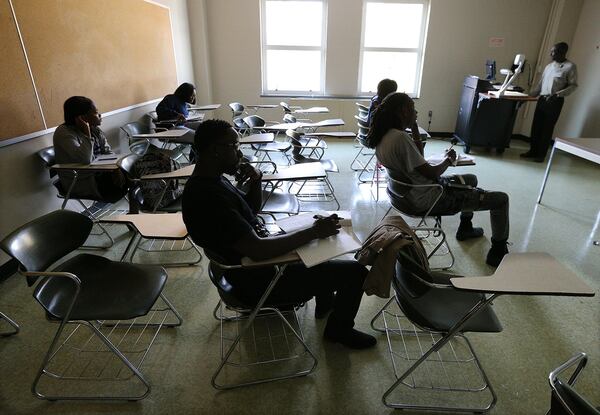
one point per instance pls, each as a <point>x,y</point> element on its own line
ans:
<point>119,53</point>
<point>19,110</point>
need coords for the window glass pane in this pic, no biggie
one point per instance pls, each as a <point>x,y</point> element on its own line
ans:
<point>393,25</point>
<point>399,66</point>
<point>292,70</point>
<point>294,23</point>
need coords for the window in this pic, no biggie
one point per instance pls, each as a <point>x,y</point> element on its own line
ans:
<point>293,46</point>
<point>393,41</point>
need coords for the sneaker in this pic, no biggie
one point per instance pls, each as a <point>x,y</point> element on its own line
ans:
<point>468,232</point>
<point>350,338</point>
<point>324,304</point>
<point>496,253</point>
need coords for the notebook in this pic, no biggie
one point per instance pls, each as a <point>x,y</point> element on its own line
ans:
<point>461,159</point>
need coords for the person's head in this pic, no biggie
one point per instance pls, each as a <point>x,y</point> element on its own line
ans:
<point>397,110</point>
<point>216,140</point>
<point>81,107</point>
<point>386,87</point>
<point>186,92</point>
<point>558,52</point>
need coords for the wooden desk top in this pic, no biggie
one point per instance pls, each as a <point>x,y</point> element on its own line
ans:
<point>94,166</point>
<point>263,138</point>
<point>511,95</point>
<point>174,133</point>
<point>334,122</point>
<point>302,171</point>
<point>281,259</point>
<point>208,107</point>
<point>311,110</point>
<point>181,173</point>
<point>588,144</point>
<point>336,134</point>
<point>256,106</point>
<point>529,273</point>
<point>154,225</point>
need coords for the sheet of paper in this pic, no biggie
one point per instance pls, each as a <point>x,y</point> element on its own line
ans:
<point>305,220</point>
<point>322,250</point>
<point>461,160</point>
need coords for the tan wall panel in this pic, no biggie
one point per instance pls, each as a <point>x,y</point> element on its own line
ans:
<point>119,53</point>
<point>19,111</point>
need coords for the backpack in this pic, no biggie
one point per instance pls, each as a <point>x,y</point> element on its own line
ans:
<point>155,161</point>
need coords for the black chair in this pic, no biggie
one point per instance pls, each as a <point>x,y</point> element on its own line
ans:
<point>251,358</point>
<point>565,400</point>
<point>113,300</point>
<point>255,125</point>
<point>420,321</point>
<point>141,146</point>
<point>97,207</point>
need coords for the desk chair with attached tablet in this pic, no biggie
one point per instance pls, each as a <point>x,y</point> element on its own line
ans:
<point>260,341</point>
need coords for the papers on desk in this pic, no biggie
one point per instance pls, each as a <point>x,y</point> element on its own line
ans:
<point>195,116</point>
<point>461,159</point>
<point>322,250</point>
<point>105,159</point>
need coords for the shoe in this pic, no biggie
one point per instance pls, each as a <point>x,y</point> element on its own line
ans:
<point>467,231</point>
<point>539,159</point>
<point>527,155</point>
<point>496,253</point>
<point>324,304</point>
<point>350,338</point>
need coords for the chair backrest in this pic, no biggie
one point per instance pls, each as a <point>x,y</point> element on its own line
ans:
<point>254,121</point>
<point>43,241</point>
<point>294,137</point>
<point>139,147</point>
<point>286,107</point>
<point>567,401</point>
<point>127,162</point>
<point>239,124</point>
<point>289,118</point>
<point>361,108</point>
<point>135,127</point>
<point>237,109</point>
<point>48,156</point>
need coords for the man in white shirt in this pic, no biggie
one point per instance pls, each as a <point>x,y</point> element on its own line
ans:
<point>559,79</point>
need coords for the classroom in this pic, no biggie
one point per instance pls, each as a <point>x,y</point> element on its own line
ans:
<point>312,254</point>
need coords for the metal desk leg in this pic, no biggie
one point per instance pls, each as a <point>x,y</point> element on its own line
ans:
<point>546,175</point>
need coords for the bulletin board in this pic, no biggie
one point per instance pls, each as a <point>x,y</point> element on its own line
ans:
<point>118,53</point>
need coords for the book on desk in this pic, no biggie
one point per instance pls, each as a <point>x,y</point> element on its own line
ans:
<point>461,159</point>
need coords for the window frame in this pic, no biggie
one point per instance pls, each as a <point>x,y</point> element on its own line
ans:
<point>264,48</point>
<point>420,50</point>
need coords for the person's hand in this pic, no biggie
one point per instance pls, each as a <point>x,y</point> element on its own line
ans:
<point>83,125</point>
<point>326,226</point>
<point>451,155</point>
<point>181,118</point>
<point>248,172</point>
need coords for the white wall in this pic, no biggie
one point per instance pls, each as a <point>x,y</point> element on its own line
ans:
<point>581,113</point>
<point>457,45</point>
<point>25,188</point>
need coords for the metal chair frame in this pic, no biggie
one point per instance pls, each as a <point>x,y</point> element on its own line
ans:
<point>247,317</point>
<point>15,327</point>
<point>580,359</point>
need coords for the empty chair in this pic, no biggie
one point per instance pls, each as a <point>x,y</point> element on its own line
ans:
<point>565,399</point>
<point>141,146</point>
<point>105,302</point>
<point>255,124</point>
<point>421,321</point>
<point>237,110</point>
<point>287,109</point>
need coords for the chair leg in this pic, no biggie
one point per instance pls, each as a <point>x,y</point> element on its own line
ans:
<point>246,325</point>
<point>192,261</point>
<point>15,327</point>
<point>435,348</point>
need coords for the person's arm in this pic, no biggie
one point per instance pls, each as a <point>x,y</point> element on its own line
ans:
<point>258,249</point>
<point>164,112</point>
<point>74,147</point>
<point>434,172</point>
<point>102,141</point>
<point>571,83</point>
<point>251,176</point>
<point>416,136</point>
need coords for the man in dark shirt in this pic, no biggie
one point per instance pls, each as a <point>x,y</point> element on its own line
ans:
<point>222,219</point>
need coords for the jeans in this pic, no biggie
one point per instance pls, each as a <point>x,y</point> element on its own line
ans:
<point>467,201</point>
<point>299,284</point>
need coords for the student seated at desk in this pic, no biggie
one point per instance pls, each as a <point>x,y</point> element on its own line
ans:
<point>403,157</point>
<point>174,107</point>
<point>222,219</point>
<point>80,140</point>
<point>384,88</point>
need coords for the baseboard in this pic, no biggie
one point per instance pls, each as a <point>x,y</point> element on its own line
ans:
<point>7,269</point>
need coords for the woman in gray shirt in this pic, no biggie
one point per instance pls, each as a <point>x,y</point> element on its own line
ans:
<point>80,140</point>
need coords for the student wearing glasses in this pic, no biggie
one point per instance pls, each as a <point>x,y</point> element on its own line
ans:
<point>227,226</point>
